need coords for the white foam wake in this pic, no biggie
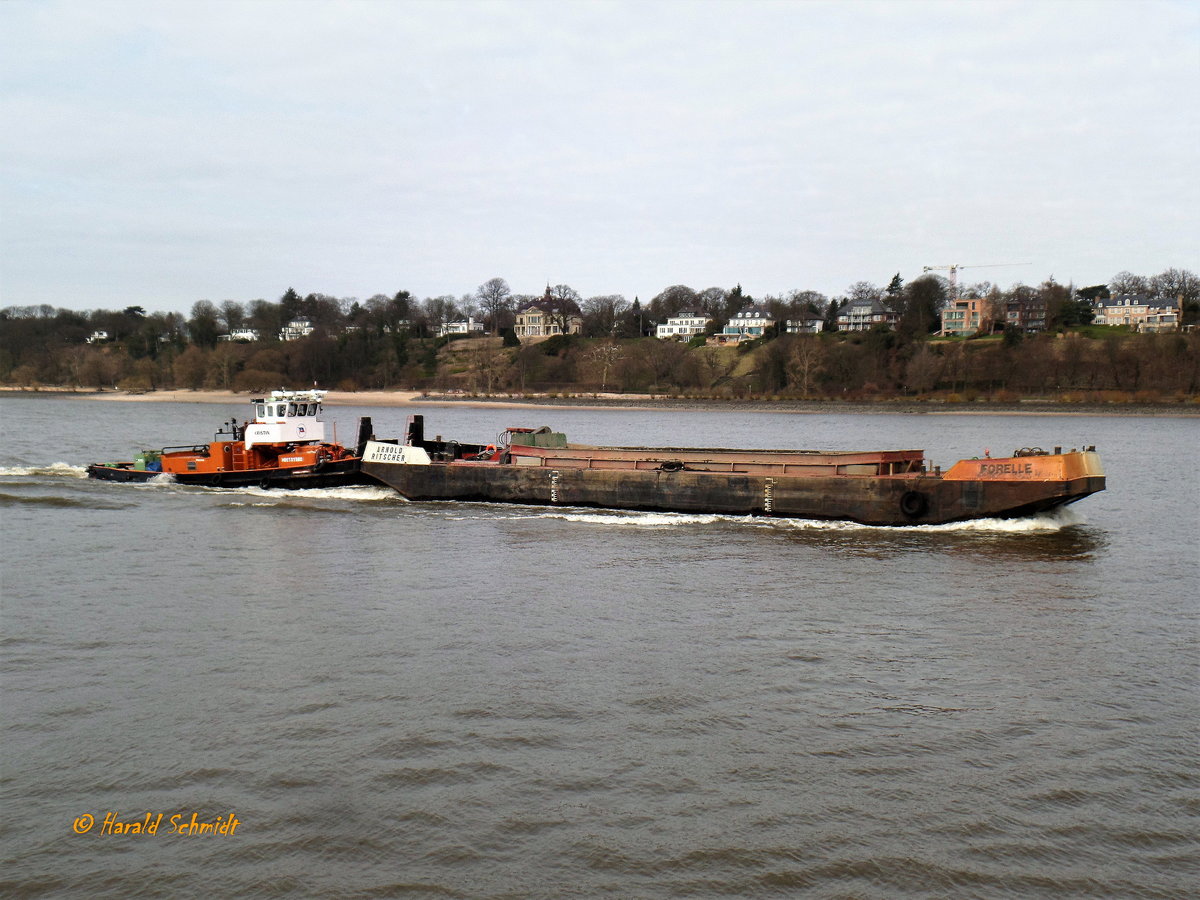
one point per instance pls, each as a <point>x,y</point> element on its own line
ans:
<point>638,519</point>
<point>56,470</point>
<point>365,493</point>
<point>1046,522</point>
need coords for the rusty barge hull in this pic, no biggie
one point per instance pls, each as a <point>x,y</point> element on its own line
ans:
<point>870,501</point>
<point>873,488</point>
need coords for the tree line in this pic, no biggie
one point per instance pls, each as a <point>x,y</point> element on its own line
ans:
<point>390,341</point>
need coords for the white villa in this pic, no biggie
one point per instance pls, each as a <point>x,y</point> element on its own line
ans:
<point>748,323</point>
<point>685,324</point>
<point>468,327</point>
<point>811,324</point>
<point>296,329</point>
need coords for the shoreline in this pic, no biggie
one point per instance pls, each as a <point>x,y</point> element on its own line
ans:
<point>391,399</point>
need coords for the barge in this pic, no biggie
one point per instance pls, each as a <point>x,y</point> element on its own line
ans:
<point>886,487</point>
<point>283,446</point>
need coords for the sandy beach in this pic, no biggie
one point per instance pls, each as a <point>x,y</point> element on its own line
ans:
<point>1029,407</point>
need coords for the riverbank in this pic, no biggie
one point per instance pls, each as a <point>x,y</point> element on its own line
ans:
<point>899,406</point>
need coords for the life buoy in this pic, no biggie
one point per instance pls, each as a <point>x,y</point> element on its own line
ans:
<point>914,504</point>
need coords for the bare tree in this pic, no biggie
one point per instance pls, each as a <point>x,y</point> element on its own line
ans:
<point>494,298</point>
<point>711,301</point>
<point>605,356</point>
<point>805,362</point>
<point>864,290</point>
<point>923,370</point>
<point>601,314</point>
<point>565,293</point>
<point>803,303</point>
<point>1128,283</point>
<point>232,315</point>
<point>488,367</point>
<point>561,309</point>
<point>438,311</point>
<point>670,301</point>
<point>1176,285</point>
<point>715,363</point>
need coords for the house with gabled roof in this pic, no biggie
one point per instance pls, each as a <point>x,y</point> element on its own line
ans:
<point>547,317</point>
<point>1139,312</point>
<point>746,324</point>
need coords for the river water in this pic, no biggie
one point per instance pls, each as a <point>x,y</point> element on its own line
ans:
<point>435,700</point>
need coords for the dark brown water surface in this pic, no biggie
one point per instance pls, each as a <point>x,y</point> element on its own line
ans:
<point>439,700</point>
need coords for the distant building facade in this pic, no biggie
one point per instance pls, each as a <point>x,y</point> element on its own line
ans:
<point>748,323</point>
<point>296,329</point>
<point>862,315</point>
<point>961,317</point>
<point>1028,314</point>
<point>810,324</point>
<point>468,327</point>
<point>685,324</point>
<point>541,319</point>
<point>1139,312</point>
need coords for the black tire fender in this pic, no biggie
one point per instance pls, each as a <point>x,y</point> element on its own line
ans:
<point>914,504</point>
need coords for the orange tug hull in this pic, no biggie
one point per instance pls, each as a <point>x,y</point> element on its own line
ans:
<point>228,464</point>
<point>874,488</point>
<point>231,464</point>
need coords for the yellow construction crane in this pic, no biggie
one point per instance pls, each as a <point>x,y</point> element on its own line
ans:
<point>953,270</point>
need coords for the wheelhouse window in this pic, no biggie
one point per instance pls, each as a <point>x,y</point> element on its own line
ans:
<point>261,410</point>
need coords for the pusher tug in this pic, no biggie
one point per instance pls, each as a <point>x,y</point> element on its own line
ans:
<point>888,487</point>
<point>283,446</point>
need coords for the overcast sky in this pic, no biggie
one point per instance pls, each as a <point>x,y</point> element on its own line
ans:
<point>162,153</point>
